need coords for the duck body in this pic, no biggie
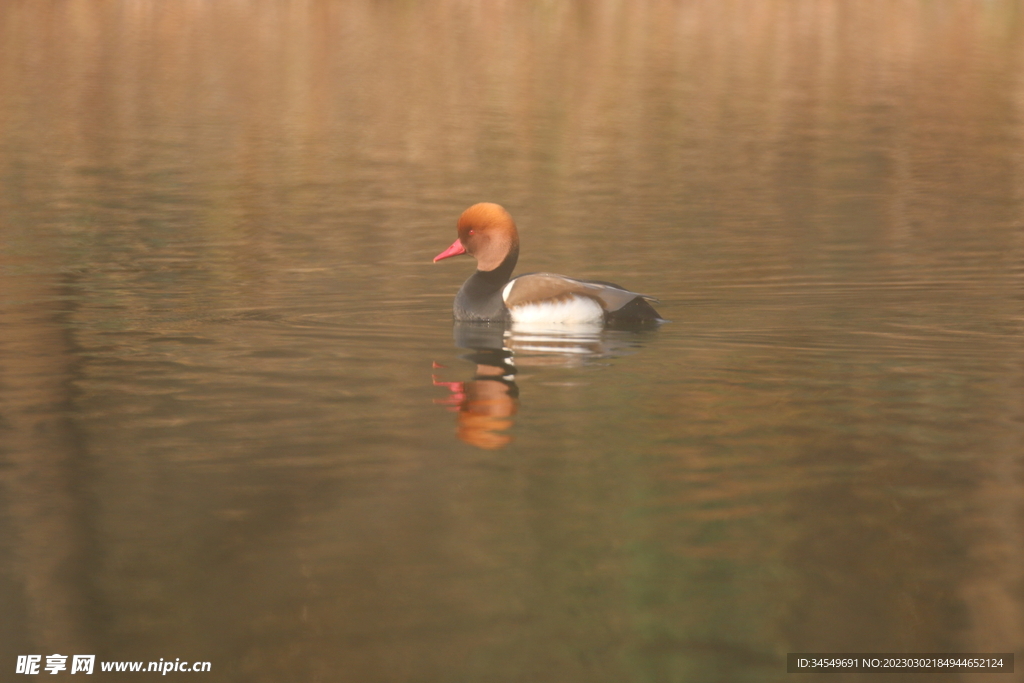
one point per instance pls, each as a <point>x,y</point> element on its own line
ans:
<point>488,233</point>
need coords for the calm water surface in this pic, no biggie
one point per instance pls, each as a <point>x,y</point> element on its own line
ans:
<point>237,425</point>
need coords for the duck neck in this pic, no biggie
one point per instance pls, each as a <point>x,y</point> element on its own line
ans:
<point>480,296</point>
<point>503,273</point>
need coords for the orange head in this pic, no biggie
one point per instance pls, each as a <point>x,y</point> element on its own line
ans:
<point>487,233</point>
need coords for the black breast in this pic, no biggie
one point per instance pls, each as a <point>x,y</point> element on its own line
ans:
<point>480,298</point>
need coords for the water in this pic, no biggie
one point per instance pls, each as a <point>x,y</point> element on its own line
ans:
<point>238,425</point>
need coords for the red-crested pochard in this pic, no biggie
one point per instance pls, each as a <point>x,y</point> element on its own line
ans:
<point>488,234</point>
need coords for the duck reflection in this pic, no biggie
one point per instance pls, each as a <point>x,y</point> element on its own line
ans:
<point>486,404</point>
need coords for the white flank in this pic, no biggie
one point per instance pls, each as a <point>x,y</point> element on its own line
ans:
<point>577,310</point>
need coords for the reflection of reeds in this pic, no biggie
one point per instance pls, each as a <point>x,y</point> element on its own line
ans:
<point>480,93</point>
<point>821,115</point>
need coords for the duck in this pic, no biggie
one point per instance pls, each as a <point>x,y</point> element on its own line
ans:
<point>488,234</point>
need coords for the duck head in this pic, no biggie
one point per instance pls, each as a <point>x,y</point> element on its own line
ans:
<point>488,234</point>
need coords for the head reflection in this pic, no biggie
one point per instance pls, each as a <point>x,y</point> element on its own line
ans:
<point>486,404</point>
